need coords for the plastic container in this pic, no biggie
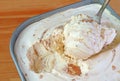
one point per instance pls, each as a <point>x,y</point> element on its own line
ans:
<point>42,16</point>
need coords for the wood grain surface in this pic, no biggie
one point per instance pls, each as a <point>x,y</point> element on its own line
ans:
<point>12,14</point>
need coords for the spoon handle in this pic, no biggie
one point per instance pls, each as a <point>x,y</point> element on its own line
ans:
<point>99,14</point>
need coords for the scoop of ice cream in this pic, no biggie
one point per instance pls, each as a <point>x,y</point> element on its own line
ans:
<point>84,37</point>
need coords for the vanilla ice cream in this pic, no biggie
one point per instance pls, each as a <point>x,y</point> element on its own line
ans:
<point>70,46</point>
<point>60,48</point>
<point>85,37</point>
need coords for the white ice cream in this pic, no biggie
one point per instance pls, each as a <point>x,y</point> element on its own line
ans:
<point>41,63</point>
<point>84,37</point>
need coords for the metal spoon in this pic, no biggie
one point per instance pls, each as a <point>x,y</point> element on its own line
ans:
<point>97,18</point>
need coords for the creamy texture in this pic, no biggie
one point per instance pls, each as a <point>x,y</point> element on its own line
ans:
<point>63,48</point>
<point>84,37</point>
<point>101,67</point>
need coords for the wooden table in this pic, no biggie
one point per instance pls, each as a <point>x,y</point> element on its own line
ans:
<point>12,14</point>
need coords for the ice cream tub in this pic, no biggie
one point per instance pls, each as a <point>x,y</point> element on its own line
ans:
<point>23,27</point>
